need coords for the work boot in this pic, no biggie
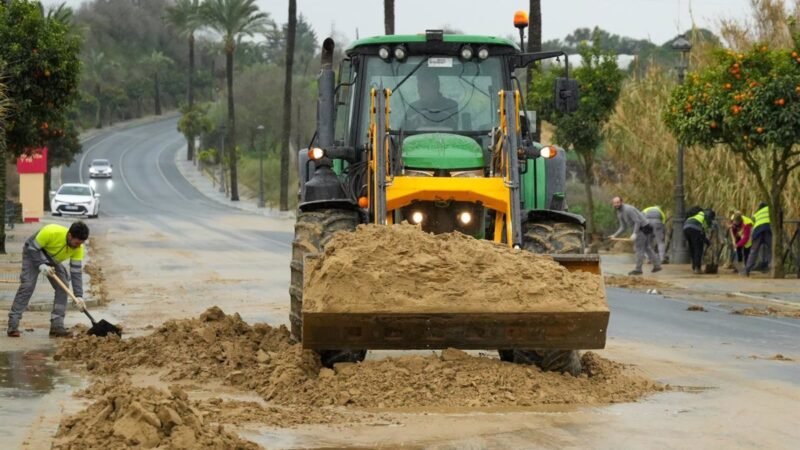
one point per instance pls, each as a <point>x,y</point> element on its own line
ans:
<point>12,332</point>
<point>59,332</point>
<point>635,272</point>
<point>656,269</point>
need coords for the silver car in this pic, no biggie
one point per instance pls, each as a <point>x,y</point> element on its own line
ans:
<point>100,168</point>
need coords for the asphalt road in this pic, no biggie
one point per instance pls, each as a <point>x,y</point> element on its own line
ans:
<point>728,393</point>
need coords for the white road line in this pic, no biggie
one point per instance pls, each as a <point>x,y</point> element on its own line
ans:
<point>164,177</point>
<point>122,173</point>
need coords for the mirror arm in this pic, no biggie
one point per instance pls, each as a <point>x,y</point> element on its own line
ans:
<point>523,60</point>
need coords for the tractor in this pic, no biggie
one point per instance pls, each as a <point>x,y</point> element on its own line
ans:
<point>432,129</point>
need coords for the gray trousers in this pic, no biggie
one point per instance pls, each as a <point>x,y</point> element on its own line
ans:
<point>658,240</point>
<point>762,247</point>
<point>27,283</point>
<point>643,246</point>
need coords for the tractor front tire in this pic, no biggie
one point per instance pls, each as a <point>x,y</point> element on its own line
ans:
<point>554,238</point>
<point>312,231</point>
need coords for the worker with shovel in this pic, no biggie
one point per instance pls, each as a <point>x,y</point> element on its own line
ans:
<point>44,253</point>
<point>630,217</point>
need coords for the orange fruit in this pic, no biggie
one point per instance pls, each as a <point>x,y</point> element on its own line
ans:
<point>759,130</point>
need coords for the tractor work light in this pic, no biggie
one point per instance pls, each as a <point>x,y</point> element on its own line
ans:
<point>483,53</point>
<point>417,217</point>
<point>466,52</point>
<point>316,153</point>
<point>383,52</point>
<point>465,217</point>
<point>548,152</point>
<point>400,53</point>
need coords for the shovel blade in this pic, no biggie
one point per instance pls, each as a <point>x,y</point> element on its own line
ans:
<point>103,328</point>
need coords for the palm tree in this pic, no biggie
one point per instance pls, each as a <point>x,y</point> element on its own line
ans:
<point>291,31</point>
<point>232,19</point>
<point>185,17</point>
<point>388,16</point>
<point>155,63</point>
<point>97,66</point>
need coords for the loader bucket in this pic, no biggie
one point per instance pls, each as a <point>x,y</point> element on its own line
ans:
<point>579,329</point>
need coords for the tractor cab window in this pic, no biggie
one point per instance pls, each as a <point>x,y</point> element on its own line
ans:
<point>344,100</point>
<point>436,93</point>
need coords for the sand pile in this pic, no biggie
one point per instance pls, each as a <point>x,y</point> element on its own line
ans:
<point>262,359</point>
<point>132,417</point>
<point>769,311</point>
<point>401,268</point>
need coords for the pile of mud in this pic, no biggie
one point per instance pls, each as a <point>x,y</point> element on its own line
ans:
<point>768,311</point>
<point>632,282</point>
<point>133,417</point>
<point>401,268</point>
<point>263,359</point>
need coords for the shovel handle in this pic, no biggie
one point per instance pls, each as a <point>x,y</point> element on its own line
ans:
<point>69,292</point>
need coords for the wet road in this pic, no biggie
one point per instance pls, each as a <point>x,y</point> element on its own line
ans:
<point>729,394</point>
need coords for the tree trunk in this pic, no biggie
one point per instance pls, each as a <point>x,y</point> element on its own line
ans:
<point>388,16</point>
<point>776,225</point>
<point>157,94</point>
<point>588,182</point>
<point>287,106</point>
<point>234,179</point>
<point>535,45</point>
<point>3,161</point>
<point>190,95</point>
<point>47,182</point>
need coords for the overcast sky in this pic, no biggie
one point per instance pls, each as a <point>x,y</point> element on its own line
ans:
<point>656,20</point>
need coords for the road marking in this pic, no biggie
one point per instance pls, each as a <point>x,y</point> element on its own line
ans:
<point>164,177</point>
<point>122,173</point>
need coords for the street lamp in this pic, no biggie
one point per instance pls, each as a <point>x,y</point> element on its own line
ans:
<point>260,130</point>
<point>679,252</point>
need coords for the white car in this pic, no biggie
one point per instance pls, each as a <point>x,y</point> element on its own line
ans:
<point>100,168</point>
<point>75,199</point>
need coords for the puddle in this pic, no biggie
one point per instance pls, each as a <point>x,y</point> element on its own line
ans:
<point>29,382</point>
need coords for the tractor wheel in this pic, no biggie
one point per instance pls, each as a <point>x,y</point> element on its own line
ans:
<point>549,237</point>
<point>312,231</point>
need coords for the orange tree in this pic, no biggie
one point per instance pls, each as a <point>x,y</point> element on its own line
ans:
<point>750,104</point>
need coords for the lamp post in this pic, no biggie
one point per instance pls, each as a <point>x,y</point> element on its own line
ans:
<point>679,253</point>
<point>260,130</point>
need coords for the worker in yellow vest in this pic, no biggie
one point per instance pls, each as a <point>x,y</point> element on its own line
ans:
<point>44,254</point>
<point>695,229</point>
<point>742,230</point>
<point>657,219</point>
<point>762,241</point>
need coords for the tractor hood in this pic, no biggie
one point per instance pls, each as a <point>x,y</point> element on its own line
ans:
<point>442,151</point>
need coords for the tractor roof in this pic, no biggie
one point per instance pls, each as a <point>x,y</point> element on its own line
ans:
<point>420,38</point>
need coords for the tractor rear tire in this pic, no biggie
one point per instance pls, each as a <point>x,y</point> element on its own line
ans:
<point>559,238</point>
<point>312,231</point>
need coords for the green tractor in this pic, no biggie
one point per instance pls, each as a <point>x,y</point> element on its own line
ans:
<point>431,129</point>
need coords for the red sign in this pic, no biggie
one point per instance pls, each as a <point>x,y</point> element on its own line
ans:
<point>34,161</point>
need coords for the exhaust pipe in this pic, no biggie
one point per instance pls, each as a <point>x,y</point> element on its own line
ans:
<point>325,105</point>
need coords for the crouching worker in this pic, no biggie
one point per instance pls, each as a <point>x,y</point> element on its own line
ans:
<point>44,253</point>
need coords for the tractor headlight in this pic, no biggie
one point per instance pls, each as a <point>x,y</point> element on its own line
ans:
<point>483,53</point>
<point>466,52</point>
<point>417,217</point>
<point>383,52</point>
<point>400,53</point>
<point>465,217</point>
<point>315,153</point>
<point>548,152</point>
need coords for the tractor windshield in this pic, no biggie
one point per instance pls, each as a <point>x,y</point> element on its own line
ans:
<point>436,93</point>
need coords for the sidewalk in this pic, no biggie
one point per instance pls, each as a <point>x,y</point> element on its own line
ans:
<point>204,183</point>
<point>725,284</point>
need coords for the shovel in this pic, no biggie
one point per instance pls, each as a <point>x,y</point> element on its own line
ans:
<point>102,328</point>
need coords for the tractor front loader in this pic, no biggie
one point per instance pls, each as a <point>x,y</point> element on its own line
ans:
<point>431,129</point>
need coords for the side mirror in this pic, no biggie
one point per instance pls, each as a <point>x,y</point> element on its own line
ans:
<point>52,193</point>
<point>567,95</point>
<point>525,124</point>
<point>96,195</point>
